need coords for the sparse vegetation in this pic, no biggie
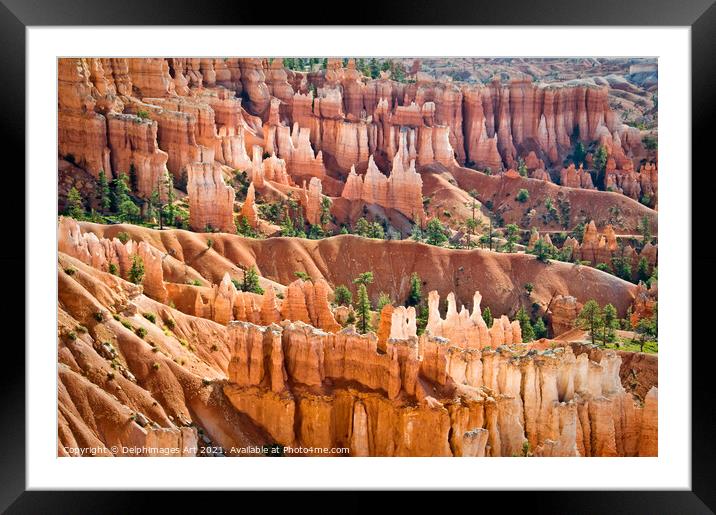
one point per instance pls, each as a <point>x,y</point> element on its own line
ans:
<point>342,295</point>
<point>487,316</point>
<point>435,232</point>
<point>136,273</point>
<point>251,281</point>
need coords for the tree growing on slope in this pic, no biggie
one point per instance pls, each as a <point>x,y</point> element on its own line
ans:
<point>136,273</point>
<point>591,319</point>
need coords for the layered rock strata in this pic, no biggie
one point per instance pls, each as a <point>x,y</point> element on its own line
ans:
<point>211,200</point>
<point>425,397</point>
<point>402,190</point>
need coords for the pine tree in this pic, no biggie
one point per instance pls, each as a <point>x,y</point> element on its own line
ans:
<point>128,210</point>
<point>579,154</point>
<point>600,159</point>
<point>528,333</point>
<point>644,227</point>
<point>287,227</point>
<point>521,167</point>
<point>542,250</point>
<point>133,176</point>
<point>251,281</point>
<point>415,295</point>
<point>643,269</point>
<point>363,309</point>
<point>487,316</point>
<point>421,318</point>
<point>435,232</point>
<point>365,279</point>
<point>591,319</point>
<point>540,328</point>
<point>383,300</point>
<point>168,208</point>
<point>120,192</point>
<point>155,205</point>
<point>611,322</point>
<point>342,295</point>
<point>103,193</point>
<point>374,69</point>
<point>325,210</point>
<point>512,231</point>
<point>136,273</point>
<point>75,207</point>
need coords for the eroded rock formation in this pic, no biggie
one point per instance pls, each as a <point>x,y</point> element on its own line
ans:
<point>401,191</point>
<point>286,378</point>
<point>211,201</point>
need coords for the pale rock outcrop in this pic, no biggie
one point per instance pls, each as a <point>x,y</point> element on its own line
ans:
<point>82,133</point>
<point>211,201</point>
<point>576,178</point>
<point>249,210</point>
<point>469,330</point>
<point>307,301</point>
<point>133,144</point>
<point>401,191</point>
<point>312,201</point>
<point>564,311</point>
<point>559,403</point>
<point>253,82</point>
<point>150,77</point>
<point>294,147</point>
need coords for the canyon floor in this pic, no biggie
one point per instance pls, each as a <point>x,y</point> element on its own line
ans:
<point>357,257</point>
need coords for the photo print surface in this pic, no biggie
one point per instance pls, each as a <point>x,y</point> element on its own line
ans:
<point>357,256</point>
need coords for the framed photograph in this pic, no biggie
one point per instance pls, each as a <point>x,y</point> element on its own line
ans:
<point>424,253</point>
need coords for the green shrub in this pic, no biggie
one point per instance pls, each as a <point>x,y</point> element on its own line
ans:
<point>81,329</point>
<point>113,269</point>
<point>251,281</point>
<point>650,142</point>
<point>144,115</point>
<point>155,365</point>
<point>141,332</point>
<point>342,295</point>
<point>136,273</point>
<point>70,271</point>
<point>603,267</point>
<point>99,316</point>
<point>523,196</point>
<point>123,236</point>
<point>150,317</point>
<point>169,322</point>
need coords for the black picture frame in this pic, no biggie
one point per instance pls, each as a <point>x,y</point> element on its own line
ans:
<point>16,15</point>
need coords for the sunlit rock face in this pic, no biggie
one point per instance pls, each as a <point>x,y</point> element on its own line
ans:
<point>551,402</point>
<point>402,190</point>
<point>211,201</point>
